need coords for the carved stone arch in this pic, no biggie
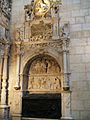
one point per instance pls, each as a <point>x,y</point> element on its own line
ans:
<point>50,52</point>
<point>48,62</point>
<point>42,83</point>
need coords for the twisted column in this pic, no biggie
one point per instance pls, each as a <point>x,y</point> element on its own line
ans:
<point>5,76</point>
<point>4,108</point>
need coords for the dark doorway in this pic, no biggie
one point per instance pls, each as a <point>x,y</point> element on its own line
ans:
<point>42,106</point>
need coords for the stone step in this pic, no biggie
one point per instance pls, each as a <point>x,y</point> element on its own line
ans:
<point>37,119</point>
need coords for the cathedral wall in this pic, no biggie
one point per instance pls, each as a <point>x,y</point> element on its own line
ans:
<point>77,13</point>
<point>18,14</point>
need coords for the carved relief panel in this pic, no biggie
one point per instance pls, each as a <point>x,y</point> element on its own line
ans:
<point>41,31</point>
<point>41,16</point>
<point>44,76</point>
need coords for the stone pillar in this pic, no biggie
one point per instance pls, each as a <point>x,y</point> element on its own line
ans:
<point>5,76</point>
<point>1,71</point>
<point>66,95</point>
<point>65,65</point>
<point>17,86</point>
<point>17,110</point>
<point>66,106</point>
<point>4,108</point>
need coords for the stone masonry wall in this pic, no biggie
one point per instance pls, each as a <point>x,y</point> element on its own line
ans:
<point>77,13</point>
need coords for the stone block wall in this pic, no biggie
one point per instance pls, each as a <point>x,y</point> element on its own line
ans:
<point>77,12</point>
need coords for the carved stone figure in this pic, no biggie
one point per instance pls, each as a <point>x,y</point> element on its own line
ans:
<point>31,84</point>
<point>44,66</point>
<point>56,84</point>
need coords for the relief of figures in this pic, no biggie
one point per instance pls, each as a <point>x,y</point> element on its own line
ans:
<point>44,83</point>
<point>44,75</point>
<point>44,66</point>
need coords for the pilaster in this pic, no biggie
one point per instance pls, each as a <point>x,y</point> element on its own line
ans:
<point>66,95</point>
<point>1,70</point>
<point>65,64</point>
<point>18,62</point>
<point>55,19</point>
<point>66,106</point>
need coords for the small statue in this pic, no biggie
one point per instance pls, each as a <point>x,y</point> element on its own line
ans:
<point>65,30</point>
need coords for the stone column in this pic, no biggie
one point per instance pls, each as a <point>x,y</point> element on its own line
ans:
<point>4,108</point>
<point>66,106</point>
<point>5,76</point>
<point>66,95</point>
<point>65,65</point>
<point>1,71</point>
<point>17,86</point>
<point>17,110</point>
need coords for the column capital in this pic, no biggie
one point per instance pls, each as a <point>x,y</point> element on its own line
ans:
<point>6,50</point>
<point>2,54</point>
<point>18,46</point>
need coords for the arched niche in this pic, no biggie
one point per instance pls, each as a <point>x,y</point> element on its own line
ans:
<point>41,88</point>
<point>42,74</point>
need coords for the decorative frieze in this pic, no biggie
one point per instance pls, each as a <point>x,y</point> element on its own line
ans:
<point>27,46</point>
<point>44,83</point>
